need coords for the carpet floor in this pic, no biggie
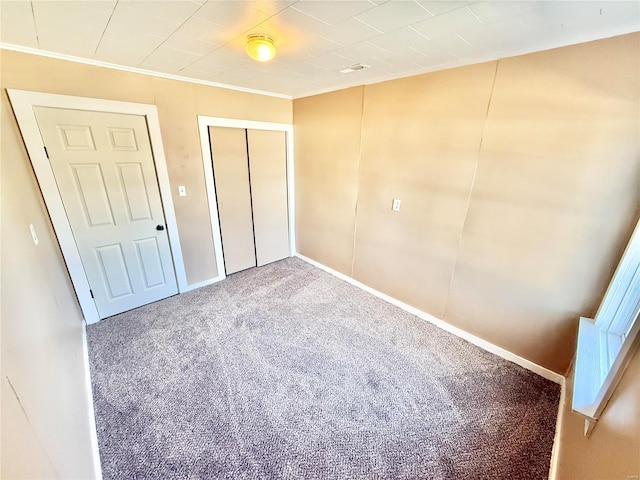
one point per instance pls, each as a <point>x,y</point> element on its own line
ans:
<point>286,372</point>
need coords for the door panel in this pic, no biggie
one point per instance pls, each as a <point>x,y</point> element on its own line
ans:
<point>132,183</point>
<point>114,270</point>
<point>103,166</point>
<point>92,193</point>
<point>231,173</point>
<point>268,167</point>
<point>149,257</point>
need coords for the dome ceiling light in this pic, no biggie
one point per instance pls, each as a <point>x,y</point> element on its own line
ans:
<point>260,47</point>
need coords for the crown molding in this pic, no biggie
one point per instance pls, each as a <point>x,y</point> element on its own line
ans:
<point>140,71</point>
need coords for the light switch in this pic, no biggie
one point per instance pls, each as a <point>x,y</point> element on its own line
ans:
<point>182,190</point>
<point>396,205</point>
<point>33,234</point>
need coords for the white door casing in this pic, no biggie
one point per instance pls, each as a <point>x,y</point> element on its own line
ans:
<point>104,169</point>
<point>23,103</point>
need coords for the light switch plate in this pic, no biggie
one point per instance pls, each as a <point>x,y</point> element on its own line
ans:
<point>182,190</point>
<point>395,206</point>
<point>33,234</point>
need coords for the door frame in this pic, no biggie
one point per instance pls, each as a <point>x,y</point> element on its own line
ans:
<point>204,123</point>
<point>23,102</point>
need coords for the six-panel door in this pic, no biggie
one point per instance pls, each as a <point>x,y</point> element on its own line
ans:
<point>104,169</point>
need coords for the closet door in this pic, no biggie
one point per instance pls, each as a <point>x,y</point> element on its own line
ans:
<point>268,168</point>
<point>231,174</point>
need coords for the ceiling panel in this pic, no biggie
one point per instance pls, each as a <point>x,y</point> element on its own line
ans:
<point>231,14</point>
<point>190,44</point>
<point>237,76</point>
<point>17,25</point>
<point>206,31</point>
<point>489,12</point>
<point>438,8</point>
<point>315,45</point>
<point>435,58</point>
<point>156,18</point>
<point>333,12</point>
<point>392,15</point>
<point>309,71</point>
<point>136,29</point>
<point>407,56</point>
<point>498,36</point>
<point>201,75</point>
<point>271,7</point>
<point>330,61</point>
<point>215,60</point>
<point>595,14</point>
<point>451,43</point>
<point>127,49</point>
<point>360,51</point>
<point>205,40</point>
<point>454,21</point>
<point>292,24</point>
<point>83,23</point>
<point>349,31</point>
<point>399,39</point>
<point>169,59</point>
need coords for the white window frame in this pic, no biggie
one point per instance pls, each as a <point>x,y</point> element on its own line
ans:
<point>204,123</point>
<point>605,343</point>
<point>23,102</point>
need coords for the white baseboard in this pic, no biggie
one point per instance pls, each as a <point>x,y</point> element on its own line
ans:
<point>458,332</point>
<point>97,467</point>
<point>555,452</point>
<point>204,283</point>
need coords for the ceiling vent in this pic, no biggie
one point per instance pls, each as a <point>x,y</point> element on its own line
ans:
<point>354,68</point>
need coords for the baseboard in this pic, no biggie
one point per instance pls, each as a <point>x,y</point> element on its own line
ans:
<point>555,451</point>
<point>97,467</point>
<point>458,332</point>
<point>204,283</point>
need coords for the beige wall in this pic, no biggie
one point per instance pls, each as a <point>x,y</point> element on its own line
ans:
<point>557,185</point>
<point>519,181</point>
<point>327,142</point>
<point>613,450</point>
<point>178,104</point>
<point>45,420</point>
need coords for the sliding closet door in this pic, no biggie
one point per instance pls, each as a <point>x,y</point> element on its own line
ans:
<point>231,174</point>
<point>268,168</point>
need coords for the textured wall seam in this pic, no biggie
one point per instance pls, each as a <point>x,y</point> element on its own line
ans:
<point>35,433</point>
<point>471,188</point>
<point>355,219</point>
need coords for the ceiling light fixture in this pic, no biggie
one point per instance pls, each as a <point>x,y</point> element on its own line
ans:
<point>260,47</point>
<point>354,68</point>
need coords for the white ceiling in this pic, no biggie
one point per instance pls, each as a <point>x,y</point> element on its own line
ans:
<point>204,40</point>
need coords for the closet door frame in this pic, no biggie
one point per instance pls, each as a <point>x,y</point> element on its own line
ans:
<point>204,123</point>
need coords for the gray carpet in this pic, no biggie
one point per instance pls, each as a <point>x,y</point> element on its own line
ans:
<point>285,372</point>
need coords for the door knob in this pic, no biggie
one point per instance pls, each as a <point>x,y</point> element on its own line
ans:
<point>159,227</point>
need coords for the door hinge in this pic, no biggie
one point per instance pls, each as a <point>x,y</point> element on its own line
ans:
<point>91,292</point>
<point>46,152</point>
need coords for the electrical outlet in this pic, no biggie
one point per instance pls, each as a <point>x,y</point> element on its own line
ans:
<point>182,190</point>
<point>395,206</point>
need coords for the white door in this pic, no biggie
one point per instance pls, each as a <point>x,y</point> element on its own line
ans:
<point>104,169</point>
